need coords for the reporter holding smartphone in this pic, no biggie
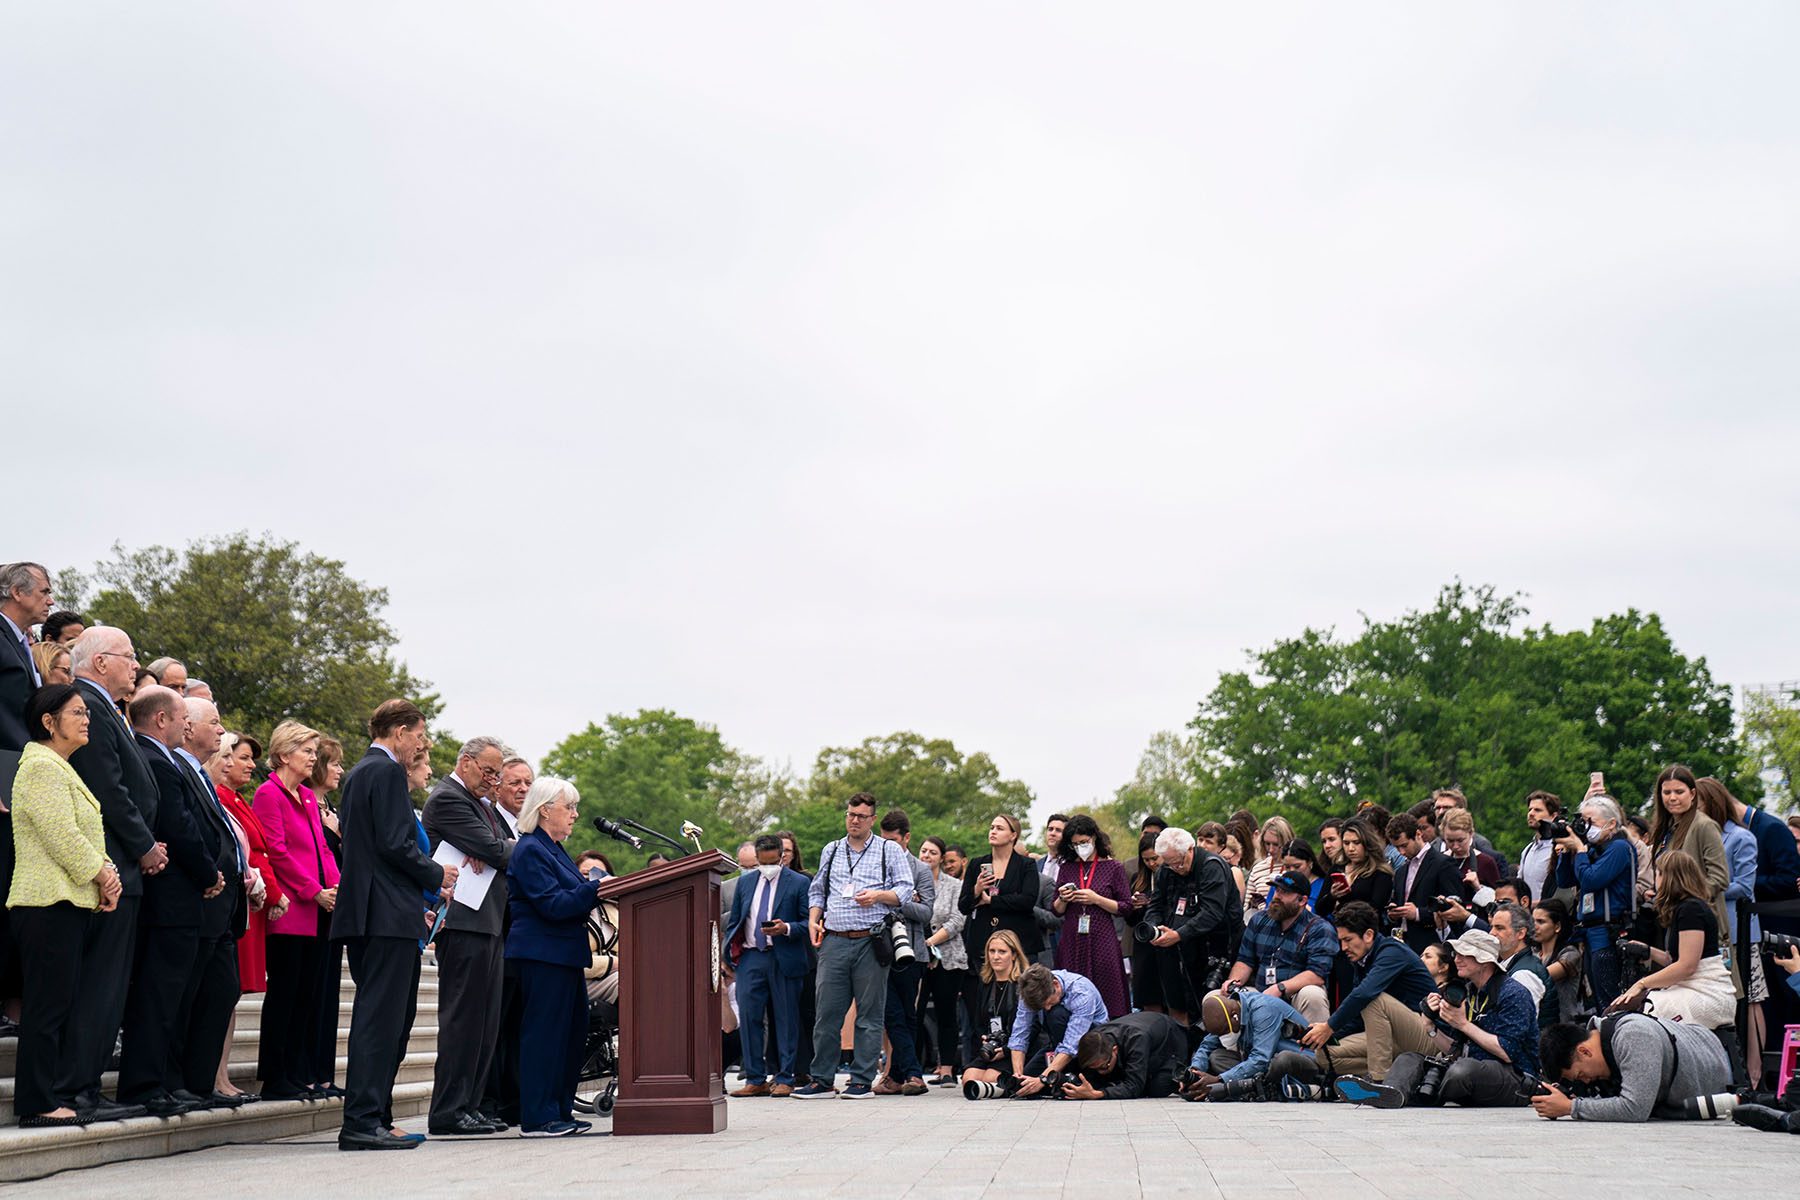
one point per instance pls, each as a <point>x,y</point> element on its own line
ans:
<point>765,935</point>
<point>1091,890</point>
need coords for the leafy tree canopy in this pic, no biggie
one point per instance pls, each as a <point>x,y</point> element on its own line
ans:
<point>1461,693</point>
<point>276,631</point>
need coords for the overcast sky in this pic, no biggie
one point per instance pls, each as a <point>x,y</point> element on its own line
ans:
<point>999,372</point>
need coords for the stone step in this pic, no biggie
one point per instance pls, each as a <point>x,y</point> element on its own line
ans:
<point>35,1153</point>
<point>249,1016</point>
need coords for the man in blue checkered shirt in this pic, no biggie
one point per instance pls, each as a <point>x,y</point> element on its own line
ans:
<point>1287,951</point>
<point>860,881</point>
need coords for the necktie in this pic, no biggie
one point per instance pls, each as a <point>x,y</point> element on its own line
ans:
<point>225,820</point>
<point>768,898</point>
<point>30,662</point>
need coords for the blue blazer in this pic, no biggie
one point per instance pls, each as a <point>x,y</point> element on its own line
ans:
<point>790,905</point>
<point>549,900</point>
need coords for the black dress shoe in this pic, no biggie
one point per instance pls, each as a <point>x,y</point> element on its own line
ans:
<point>221,1100</point>
<point>283,1093</point>
<point>194,1103</point>
<point>463,1125</point>
<point>106,1110</point>
<point>40,1121</point>
<point>333,1091</point>
<point>1769,1120</point>
<point>352,1140</point>
<point>494,1120</point>
<point>164,1104</point>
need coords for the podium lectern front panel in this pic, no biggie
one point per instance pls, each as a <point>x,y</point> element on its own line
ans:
<point>670,998</point>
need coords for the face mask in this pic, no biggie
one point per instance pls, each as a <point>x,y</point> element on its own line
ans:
<point>1084,850</point>
<point>769,870</point>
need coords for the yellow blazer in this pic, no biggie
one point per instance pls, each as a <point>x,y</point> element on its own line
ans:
<point>59,844</point>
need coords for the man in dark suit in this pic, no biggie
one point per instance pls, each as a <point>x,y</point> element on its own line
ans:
<point>214,988</point>
<point>380,917</point>
<point>169,929</point>
<point>105,668</point>
<point>470,966</point>
<point>766,933</point>
<point>24,602</point>
<point>1426,875</point>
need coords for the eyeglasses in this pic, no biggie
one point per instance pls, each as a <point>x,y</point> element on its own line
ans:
<point>856,816</point>
<point>115,654</point>
<point>80,714</point>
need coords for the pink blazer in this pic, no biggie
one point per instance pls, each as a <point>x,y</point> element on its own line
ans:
<point>297,850</point>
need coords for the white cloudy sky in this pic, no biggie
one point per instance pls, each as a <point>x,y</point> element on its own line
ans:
<point>997,371</point>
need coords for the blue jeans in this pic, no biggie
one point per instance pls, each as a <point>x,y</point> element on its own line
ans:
<point>848,971</point>
<point>1602,964</point>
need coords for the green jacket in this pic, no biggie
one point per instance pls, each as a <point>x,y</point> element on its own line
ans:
<point>59,844</point>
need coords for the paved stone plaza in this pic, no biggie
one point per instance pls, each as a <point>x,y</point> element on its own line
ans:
<point>943,1147</point>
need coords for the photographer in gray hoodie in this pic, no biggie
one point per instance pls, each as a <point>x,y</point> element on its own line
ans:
<point>1659,1067</point>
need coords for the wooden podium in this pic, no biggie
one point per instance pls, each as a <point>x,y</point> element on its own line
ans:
<point>670,1076</point>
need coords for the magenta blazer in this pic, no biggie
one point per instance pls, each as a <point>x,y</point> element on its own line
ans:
<point>303,862</point>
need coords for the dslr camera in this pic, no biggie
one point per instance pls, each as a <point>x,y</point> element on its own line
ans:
<point>1431,1081</point>
<point>989,1048</point>
<point>1780,941</point>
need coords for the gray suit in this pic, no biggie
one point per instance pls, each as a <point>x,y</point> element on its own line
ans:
<point>470,949</point>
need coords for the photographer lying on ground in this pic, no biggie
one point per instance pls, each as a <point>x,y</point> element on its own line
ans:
<point>1660,1068</point>
<point>1133,1058</point>
<point>1483,1046</point>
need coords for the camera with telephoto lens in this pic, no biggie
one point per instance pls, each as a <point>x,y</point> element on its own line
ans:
<point>1236,1089</point>
<point>1144,932</point>
<point>1531,1087</point>
<point>976,1089</point>
<point>1634,962</point>
<point>1552,829</point>
<point>1431,1079</point>
<point>989,1048</point>
<point>1438,904</point>
<point>1780,941</point>
<point>901,937</point>
<point>1716,1107</point>
<point>1053,1083</point>
<point>1454,995</point>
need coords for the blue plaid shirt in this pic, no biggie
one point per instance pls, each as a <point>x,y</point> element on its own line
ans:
<point>1086,1010</point>
<point>880,865</point>
<point>1505,1009</point>
<point>1309,944</point>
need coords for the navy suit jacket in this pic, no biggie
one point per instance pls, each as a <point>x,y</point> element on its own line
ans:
<point>380,891</point>
<point>790,905</point>
<point>114,771</point>
<point>16,685</point>
<point>172,896</point>
<point>549,901</point>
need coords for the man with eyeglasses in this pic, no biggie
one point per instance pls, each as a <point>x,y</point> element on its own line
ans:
<point>105,668</point>
<point>471,971</point>
<point>24,602</point>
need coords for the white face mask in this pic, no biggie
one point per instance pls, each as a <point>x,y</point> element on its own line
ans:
<point>769,870</point>
<point>1084,850</point>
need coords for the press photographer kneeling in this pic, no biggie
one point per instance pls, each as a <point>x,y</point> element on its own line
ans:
<point>1484,1046</point>
<point>1056,1008</point>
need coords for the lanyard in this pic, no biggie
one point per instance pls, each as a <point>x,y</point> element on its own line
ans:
<point>1085,875</point>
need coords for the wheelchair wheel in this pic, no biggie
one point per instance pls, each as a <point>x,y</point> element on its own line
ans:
<point>604,1104</point>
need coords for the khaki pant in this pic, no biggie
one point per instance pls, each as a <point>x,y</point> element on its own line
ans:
<point>1312,1003</point>
<point>1389,1030</point>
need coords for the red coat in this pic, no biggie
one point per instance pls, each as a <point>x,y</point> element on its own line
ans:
<point>253,958</point>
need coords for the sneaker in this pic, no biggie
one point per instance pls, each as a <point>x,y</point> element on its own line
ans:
<point>1293,1089</point>
<point>857,1091</point>
<point>1358,1090</point>
<point>814,1091</point>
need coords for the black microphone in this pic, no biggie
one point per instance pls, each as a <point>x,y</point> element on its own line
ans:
<point>613,831</point>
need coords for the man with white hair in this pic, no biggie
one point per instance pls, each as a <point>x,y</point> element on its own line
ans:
<point>199,689</point>
<point>459,811</point>
<point>105,669</point>
<point>1196,912</point>
<point>24,601</point>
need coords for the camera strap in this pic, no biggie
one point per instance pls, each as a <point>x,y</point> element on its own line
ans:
<point>1609,1024</point>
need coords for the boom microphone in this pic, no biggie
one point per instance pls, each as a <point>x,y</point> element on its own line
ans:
<point>614,831</point>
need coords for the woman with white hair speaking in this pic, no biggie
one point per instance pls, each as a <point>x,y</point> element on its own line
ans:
<point>550,901</point>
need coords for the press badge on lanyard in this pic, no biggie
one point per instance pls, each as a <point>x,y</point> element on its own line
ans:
<point>1081,923</point>
<point>1181,906</point>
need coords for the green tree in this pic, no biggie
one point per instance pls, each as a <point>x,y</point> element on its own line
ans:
<point>942,791</point>
<point>276,631</point>
<point>660,769</point>
<point>1772,737</point>
<point>1163,785</point>
<point>1462,694</point>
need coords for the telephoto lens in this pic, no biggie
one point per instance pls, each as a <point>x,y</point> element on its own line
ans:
<point>1716,1107</point>
<point>1144,932</point>
<point>1236,1089</point>
<point>903,947</point>
<point>975,1089</point>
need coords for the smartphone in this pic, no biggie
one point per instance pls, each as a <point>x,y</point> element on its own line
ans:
<point>1339,879</point>
<point>1597,779</point>
<point>769,926</point>
<point>1067,889</point>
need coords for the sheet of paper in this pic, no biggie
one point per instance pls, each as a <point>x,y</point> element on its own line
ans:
<point>471,889</point>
